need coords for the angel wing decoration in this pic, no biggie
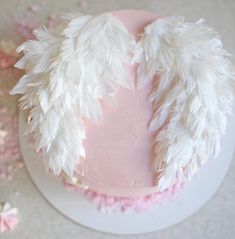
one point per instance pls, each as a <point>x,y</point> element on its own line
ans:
<point>195,92</point>
<point>68,69</point>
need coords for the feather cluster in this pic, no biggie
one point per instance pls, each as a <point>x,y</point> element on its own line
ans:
<point>68,70</point>
<point>194,92</point>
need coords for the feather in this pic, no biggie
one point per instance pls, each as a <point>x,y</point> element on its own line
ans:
<point>194,94</point>
<point>68,71</point>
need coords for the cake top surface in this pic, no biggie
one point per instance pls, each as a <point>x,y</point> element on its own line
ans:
<point>172,82</point>
<point>119,149</point>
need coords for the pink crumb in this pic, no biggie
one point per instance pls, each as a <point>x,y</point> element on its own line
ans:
<point>124,204</point>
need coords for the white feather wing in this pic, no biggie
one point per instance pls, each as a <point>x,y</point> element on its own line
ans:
<point>195,92</point>
<point>68,70</point>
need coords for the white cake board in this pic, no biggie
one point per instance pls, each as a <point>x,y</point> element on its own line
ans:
<point>79,209</point>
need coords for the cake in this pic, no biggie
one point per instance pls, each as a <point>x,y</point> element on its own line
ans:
<point>126,106</point>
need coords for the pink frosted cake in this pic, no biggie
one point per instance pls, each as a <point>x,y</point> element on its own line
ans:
<point>126,105</point>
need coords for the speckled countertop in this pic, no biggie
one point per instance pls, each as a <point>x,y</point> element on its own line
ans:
<point>37,218</point>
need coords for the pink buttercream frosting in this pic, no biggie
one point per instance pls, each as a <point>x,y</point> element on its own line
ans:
<point>119,150</point>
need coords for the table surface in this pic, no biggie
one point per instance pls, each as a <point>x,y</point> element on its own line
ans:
<point>37,218</point>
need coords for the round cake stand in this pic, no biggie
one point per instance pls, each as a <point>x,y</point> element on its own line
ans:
<point>181,206</point>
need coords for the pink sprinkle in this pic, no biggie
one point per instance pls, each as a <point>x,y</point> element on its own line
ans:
<point>10,158</point>
<point>8,217</point>
<point>34,7</point>
<point>25,30</point>
<point>82,3</point>
<point>52,21</point>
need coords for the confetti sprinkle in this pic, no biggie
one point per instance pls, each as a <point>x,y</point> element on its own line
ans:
<point>8,217</point>
<point>10,158</point>
<point>82,3</point>
<point>52,21</point>
<point>35,7</point>
<point>25,29</point>
<point>30,20</point>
